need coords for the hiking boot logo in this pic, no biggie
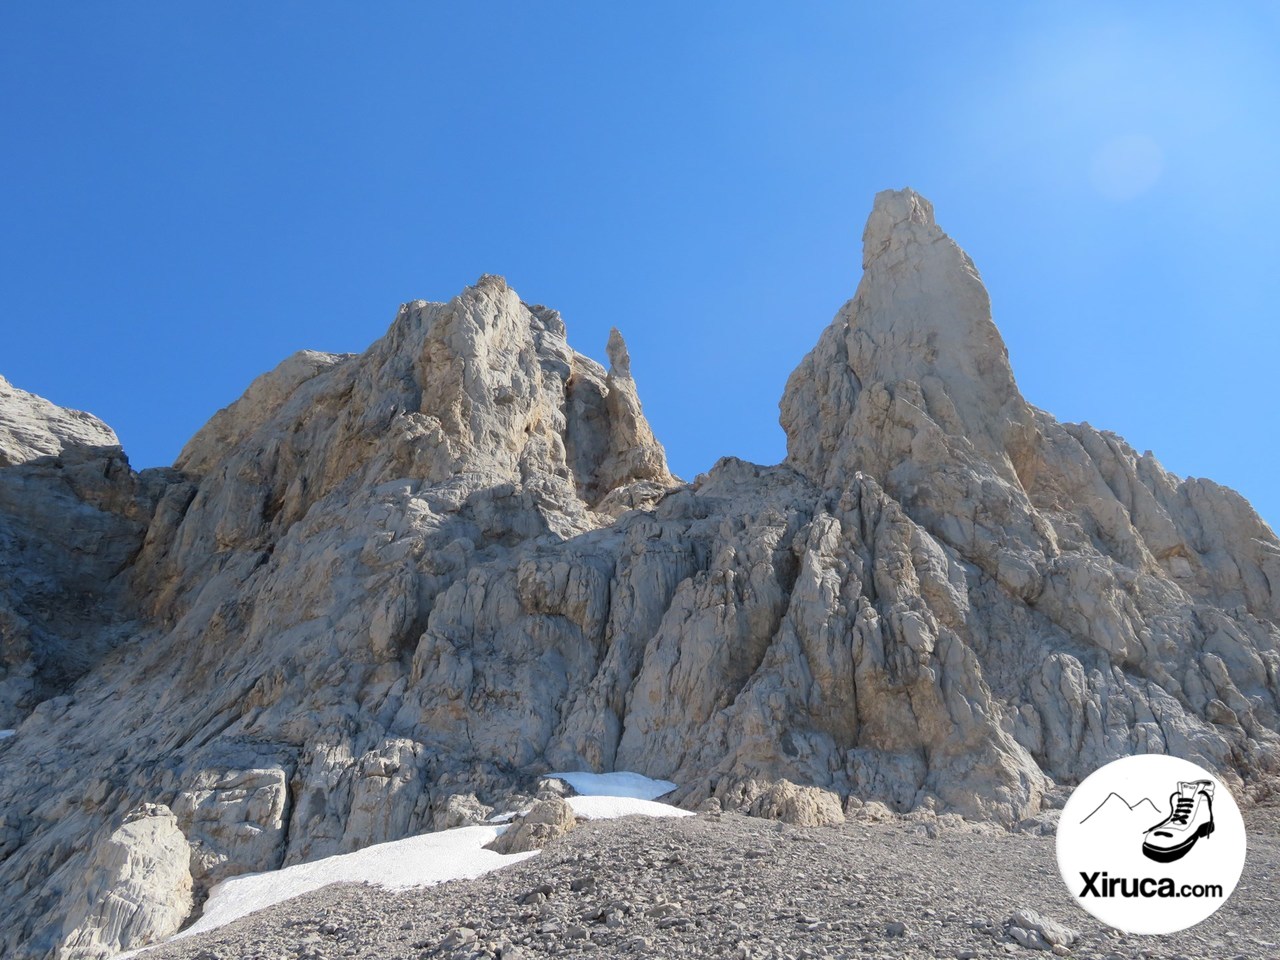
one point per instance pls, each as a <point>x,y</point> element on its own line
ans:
<point>1126,856</point>
<point>1190,819</point>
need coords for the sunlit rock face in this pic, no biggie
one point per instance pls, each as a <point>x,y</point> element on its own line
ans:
<point>380,589</point>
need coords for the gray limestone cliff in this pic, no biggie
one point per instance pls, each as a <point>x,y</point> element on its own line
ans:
<point>380,589</point>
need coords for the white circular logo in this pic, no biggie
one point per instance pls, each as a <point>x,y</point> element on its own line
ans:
<point>1151,844</point>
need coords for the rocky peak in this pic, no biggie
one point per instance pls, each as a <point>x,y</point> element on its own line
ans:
<point>913,358</point>
<point>897,217</point>
<point>483,386</point>
<point>31,427</point>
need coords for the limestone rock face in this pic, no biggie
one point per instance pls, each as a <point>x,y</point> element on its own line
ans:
<point>31,427</point>
<point>136,889</point>
<point>1096,590</point>
<point>72,517</point>
<point>233,817</point>
<point>383,593</point>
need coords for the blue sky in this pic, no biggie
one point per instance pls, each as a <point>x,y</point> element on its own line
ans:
<point>191,192</point>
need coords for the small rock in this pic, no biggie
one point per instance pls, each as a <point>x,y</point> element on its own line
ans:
<point>1031,939</point>
<point>873,810</point>
<point>458,937</point>
<point>539,894</point>
<point>799,805</point>
<point>1050,931</point>
<point>554,787</point>
<point>660,910</point>
<point>896,929</point>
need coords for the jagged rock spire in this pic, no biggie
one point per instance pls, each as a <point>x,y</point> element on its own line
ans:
<point>919,332</point>
<point>619,357</point>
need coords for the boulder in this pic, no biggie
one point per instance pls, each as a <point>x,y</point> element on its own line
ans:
<point>547,820</point>
<point>798,805</point>
<point>461,810</point>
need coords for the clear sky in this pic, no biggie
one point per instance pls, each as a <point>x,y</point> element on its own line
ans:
<point>190,192</point>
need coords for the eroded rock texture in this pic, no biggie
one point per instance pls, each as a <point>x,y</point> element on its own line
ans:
<point>381,592</point>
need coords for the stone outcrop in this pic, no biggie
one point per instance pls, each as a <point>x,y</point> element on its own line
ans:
<point>233,817</point>
<point>461,810</point>
<point>382,592</point>
<point>798,805</point>
<point>136,889</point>
<point>31,427</point>
<point>547,820</point>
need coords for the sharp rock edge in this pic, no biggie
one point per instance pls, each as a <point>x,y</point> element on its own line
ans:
<point>381,590</point>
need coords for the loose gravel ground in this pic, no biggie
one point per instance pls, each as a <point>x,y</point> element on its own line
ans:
<point>730,886</point>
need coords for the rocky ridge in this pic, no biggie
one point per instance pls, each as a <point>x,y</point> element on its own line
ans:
<point>381,590</point>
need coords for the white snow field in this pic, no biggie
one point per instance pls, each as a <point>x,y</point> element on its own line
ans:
<point>609,808</point>
<point>605,796</point>
<point>420,861</point>
<point>620,784</point>
<point>427,859</point>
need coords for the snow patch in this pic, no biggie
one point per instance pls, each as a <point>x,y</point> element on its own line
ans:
<point>619,784</point>
<point>608,808</point>
<point>428,859</point>
<point>413,862</point>
<point>6,734</point>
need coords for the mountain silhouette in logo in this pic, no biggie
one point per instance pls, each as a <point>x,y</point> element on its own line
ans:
<point>1116,807</point>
